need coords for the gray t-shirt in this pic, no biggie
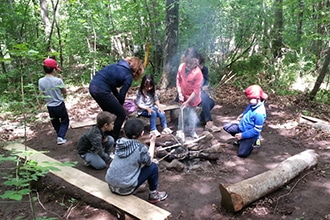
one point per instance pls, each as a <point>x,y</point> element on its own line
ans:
<point>146,101</point>
<point>51,88</point>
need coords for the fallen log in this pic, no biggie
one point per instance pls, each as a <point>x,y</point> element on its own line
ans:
<point>315,122</point>
<point>236,196</point>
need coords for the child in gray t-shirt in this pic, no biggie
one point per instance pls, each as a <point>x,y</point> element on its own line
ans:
<point>52,86</point>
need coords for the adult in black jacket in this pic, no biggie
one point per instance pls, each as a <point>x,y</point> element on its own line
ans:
<point>110,85</point>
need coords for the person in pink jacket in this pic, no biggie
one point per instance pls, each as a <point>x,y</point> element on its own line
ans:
<point>189,82</point>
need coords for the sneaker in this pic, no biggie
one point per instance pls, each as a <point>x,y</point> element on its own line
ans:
<point>155,132</point>
<point>236,143</point>
<point>157,196</point>
<point>257,144</point>
<point>86,164</point>
<point>61,140</point>
<point>167,131</point>
<point>211,127</point>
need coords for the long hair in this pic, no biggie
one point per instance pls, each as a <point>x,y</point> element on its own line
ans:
<point>136,67</point>
<point>147,80</point>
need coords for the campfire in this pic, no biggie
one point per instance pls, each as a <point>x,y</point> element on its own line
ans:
<point>175,154</point>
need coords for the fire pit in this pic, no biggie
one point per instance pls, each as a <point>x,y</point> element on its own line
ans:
<point>173,154</point>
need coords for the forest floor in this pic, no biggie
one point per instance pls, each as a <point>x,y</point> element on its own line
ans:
<point>193,193</point>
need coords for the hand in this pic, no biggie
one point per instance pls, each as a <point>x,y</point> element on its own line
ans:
<point>205,88</point>
<point>184,104</point>
<point>150,110</point>
<point>160,109</point>
<point>181,98</point>
<point>59,76</point>
<point>238,136</point>
<point>152,139</point>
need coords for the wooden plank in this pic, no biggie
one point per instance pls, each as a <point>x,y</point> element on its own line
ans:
<point>170,107</point>
<point>82,124</point>
<point>131,204</point>
<point>74,125</point>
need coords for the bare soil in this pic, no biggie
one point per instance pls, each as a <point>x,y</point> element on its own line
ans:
<point>193,193</point>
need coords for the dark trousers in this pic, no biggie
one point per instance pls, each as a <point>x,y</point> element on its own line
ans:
<point>207,105</point>
<point>108,102</point>
<point>60,119</point>
<point>149,173</point>
<point>245,145</point>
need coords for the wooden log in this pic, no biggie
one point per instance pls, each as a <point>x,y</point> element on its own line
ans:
<point>315,122</point>
<point>236,196</point>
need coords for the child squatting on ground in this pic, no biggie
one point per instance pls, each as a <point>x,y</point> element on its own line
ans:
<point>149,106</point>
<point>94,146</point>
<point>53,88</point>
<point>133,163</point>
<point>249,124</point>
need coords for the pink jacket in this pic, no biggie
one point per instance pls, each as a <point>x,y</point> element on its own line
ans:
<point>192,82</point>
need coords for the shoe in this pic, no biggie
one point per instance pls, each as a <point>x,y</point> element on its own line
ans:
<point>155,132</point>
<point>257,144</point>
<point>86,164</point>
<point>236,143</point>
<point>211,127</point>
<point>193,135</point>
<point>180,135</point>
<point>167,131</point>
<point>61,140</point>
<point>157,196</point>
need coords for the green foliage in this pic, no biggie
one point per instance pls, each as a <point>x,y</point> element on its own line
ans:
<point>26,171</point>
<point>323,96</point>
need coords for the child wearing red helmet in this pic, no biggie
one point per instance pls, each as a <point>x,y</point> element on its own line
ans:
<point>249,124</point>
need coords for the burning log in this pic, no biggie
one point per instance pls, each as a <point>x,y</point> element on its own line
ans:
<point>236,196</point>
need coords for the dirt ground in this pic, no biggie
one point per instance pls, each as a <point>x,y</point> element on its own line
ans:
<point>194,193</point>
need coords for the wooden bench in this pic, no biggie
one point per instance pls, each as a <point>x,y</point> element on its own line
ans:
<point>168,109</point>
<point>131,204</point>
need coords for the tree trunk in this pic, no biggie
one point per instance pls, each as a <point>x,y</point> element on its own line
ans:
<point>278,29</point>
<point>45,16</point>
<point>321,76</point>
<point>236,196</point>
<point>171,59</point>
<point>300,20</point>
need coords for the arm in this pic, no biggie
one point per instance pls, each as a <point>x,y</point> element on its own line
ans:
<point>178,83</point>
<point>123,90</point>
<point>259,120</point>
<point>97,146</point>
<point>140,103</point>
<point>152,146</point>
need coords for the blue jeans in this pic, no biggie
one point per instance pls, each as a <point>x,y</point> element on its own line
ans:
<point>245,145</point>
<point>153,118</point>
<point>207,105</point>
<point>149,173</point>
<point>108,102</point>
<point>94,159</point>
<point>60,119</point>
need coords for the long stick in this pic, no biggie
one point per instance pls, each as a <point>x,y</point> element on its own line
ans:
<point>182,123</point>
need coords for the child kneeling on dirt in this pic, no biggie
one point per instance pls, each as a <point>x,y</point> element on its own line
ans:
<point>94,147</point>
<point>133,165</point>
<point>249,124</point>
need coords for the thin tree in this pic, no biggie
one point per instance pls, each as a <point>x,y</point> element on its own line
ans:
<point>278,29</point>
<point>321,76</point>
<point>171,44</point>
